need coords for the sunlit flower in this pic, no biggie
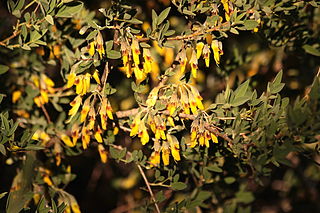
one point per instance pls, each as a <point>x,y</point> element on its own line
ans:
<point>194,64</point>
<point>85,136</point>
<point>16,96</point>
<point>97,134</point>
<point>153,96</point>
<point>66,139</point>
<point>85,110</point>
<point>199,48</point>
<point>174,146</point>
<point>217,50</point>
<point>135,52</point>
<point>75,105</point>
<point>103,153</point>
<point>206,55</point>
<point>147,65</point>
<point>99,42</point>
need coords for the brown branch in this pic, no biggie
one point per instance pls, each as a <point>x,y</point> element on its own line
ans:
<point>190,36</point>
<point>46,113</point>
<point>149,188</point>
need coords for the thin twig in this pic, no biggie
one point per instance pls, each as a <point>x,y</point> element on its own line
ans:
<point>46,113</point>
<point>149,188</point>
<point>190,36</point>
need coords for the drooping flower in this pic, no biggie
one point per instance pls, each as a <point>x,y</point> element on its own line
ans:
<point>206,55</point>
<point>66,139</point>
<point>103,153</point>
<point>174,146</point>
<point>135,51</point>
<point>153,96</point>
<point>85,110</point>
<point>147,65</point>
<point>194,64</point>
<point>199,48</point>
<point>85,136</point>
<point>217,50</point>
<point>75,105</point>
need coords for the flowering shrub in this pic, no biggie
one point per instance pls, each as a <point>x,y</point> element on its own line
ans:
<point>172,95</point>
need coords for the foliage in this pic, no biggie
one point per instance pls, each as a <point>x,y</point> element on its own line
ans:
<point>166,95</point>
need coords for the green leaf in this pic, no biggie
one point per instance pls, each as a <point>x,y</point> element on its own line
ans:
<point>178,186</point>
<point>214,168</point>
<point>163,15</point>
<point>229,180</point>
<point>68,10</point>
<point>242,89</point>
<point>311,50</point>
<point>250,24</point>
<point>244,197</point>
<point>3,69</point>
<point>3,151</point>
<point>92,34</point>
<point>154,19</point>
<point>19,5</point>
<point>115,153</point>
<point>113,54</point>
<point>49,19</point>
<point>135,21</point>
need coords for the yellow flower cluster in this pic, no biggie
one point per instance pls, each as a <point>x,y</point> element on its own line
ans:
<point>201,136</point>
<point>96,45</point>
<point>184,97</point>
<point>191,56</point>
<point>131,60</point>
<point>45,85</point>
<point>82,81</point>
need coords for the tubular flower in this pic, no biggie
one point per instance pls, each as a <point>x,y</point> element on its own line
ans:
<point>184,100</point>
<point>71,79</point>
<point>85,110</point>
<point>16,96</point>
<point>199,134</point>
<point>45,85</point>
<point>95,76</point>
<point>160,128</point>
<point>75,105</point>
<point>66,139</point>
<point>42,136</point>
<point>217,50</point>
<point>135,125</point>
<point>153,96</point>
<point>135,52</point>
<point>183,60</point>
<point>85,136</point>
<point>194,64</point>
<point>126,54</point>
<point>172,105</point>
<point>155,158</point>
<point>199,48</point>
<point>143,133</point>
<point>90,48</point>
<point>92,118</point>
<point>225,4</point>
<point>165,153</point>
<point>97,135</point>
<point>75,134</point>
<point>174,146</point>
<point>196,96</point>
<point>103,113</point>
<point>99,42</point>
<point>147,65</point>
<point>139,73</point>
<point>206,55</point>
<point>103,153</point>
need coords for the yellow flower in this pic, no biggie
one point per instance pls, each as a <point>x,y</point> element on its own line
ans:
<point>44,96</point>
<point>66,139</point>
<point>16,96</point>
<point>165,153</point>
<point>199,48</point>
<point>103,153</point>
<point>75,105</point>
<point>135,51</point>
<point>85,137</point>
<point>144,136</point>
<point>193,139</point>
<point>71,79</point>
<point>99,42</point>
<point>153,96</point>
<point>217,50</point>
<point>109,110</point>
<point>147,66</point>
<point>194,64</point>
<point>92,118</point>
<point>97,135</point>
<point>91,48</point>
<point>174,146</point>
<point>75,134</point>
<point>96,76</point>
<point>170,120</point>
<point>206,55</point>
<point>135,125</point>
<point>214,138</point>
<point>183,61</point>
<point>85,110</point>
<point>197,97</point>
<point>140,75</point>
<point>155,158</point>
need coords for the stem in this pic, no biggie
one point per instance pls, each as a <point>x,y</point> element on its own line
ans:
<point>149,188</point>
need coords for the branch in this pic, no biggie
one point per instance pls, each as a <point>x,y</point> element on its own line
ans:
<point>149,188</point>
<point>190,36</point>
